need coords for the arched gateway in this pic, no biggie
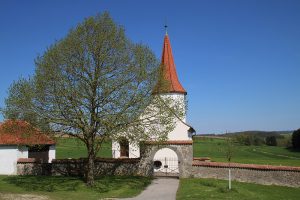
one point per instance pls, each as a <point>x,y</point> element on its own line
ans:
<point>165,163</point>
<point>152,152</point>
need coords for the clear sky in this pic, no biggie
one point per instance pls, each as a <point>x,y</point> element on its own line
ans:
<point>238,60</point>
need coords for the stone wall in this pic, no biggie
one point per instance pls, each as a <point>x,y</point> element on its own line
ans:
<point>261,174</point>
<point>104,166</point>
<point>75,167</point>
<point>31,168</point>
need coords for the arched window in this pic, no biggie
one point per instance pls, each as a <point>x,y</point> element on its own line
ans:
<point>124,146</point>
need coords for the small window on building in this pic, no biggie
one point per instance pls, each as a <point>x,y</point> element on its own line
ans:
<point>124,146</point>
<point>39,152</point>
<point>157,164</point>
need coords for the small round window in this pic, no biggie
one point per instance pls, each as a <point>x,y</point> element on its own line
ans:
<point>157,164</point>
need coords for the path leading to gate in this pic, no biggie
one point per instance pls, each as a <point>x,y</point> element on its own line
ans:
<point>159,189</point>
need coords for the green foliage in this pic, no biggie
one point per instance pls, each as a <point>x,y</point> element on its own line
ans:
<point>271,141</point>
<point>19,104</point>
<point>271,155</point>
<point>59,187</point>
<point>217,189</point>
<point>19,100</point>
<point>249,139</point>
<point>296,139</point>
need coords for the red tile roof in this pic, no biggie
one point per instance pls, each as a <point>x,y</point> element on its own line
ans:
<point>244,166</point>
<point>169,71</point>
<point>16,132</point>
<point>27,160</point>
<point>170,142</point>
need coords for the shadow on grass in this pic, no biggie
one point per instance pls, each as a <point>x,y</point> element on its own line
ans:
<point>103,184</point>
<point>44,183</point>
<point>291,149</point>
<point>111,183</point>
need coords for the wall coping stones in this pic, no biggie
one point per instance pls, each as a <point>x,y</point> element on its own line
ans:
<point>105,160</point>
<point>207,159</point>
<point>244,166</point>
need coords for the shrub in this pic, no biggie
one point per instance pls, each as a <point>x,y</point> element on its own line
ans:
<point>296,139</point>
<point>271,141</point>
<point>249,139</point>
<point>258,141</point>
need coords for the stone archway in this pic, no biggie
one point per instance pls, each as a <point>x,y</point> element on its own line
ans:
<point>184,153</point>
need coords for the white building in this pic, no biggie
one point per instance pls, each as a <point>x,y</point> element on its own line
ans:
<point>165,160</point>
<point>20,142</point>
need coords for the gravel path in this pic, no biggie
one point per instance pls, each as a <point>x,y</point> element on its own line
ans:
<point>159,189</point>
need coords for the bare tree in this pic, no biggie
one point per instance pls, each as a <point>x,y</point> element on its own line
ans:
<point>229,151</point>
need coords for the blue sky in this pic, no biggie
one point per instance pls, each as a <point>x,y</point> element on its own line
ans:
<point>238,60</point>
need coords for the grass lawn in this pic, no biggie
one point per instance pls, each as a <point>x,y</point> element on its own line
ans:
<point>272,155</point>
<point>217,189</point>
<point>203,147</point>
<point>75,148</point>
<point>58,187</point>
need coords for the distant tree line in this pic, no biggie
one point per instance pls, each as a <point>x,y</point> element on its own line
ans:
<point>258,139</point>
<point>289,139</point>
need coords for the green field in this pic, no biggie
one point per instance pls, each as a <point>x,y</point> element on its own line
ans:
<point>203,147</point>
<point>271,155</point>
<point>64,188</point>
<point>75,148</point>
<point>217,189</point>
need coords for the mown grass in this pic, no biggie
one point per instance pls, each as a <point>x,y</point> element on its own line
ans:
<point>58,187</point>
<point>217,189</point>
<point>203,147</point>
<point>75,148</point>
<point>271,155</point>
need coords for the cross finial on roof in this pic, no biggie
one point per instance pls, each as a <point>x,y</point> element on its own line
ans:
<point>166,29</point>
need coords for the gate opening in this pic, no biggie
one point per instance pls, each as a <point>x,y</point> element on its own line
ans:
<point>165,163</point>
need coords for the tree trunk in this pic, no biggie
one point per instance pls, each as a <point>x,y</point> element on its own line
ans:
<point>90,168</point>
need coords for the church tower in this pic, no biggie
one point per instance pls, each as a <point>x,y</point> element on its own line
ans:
<point>180,137</point>
<point>173,90</point>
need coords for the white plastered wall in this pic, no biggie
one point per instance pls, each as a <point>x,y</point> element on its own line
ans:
<point>22,152</point>
<point>134,150</point>
<point>115,149</point>
<point>52,152</point>
<point>180,131</point>
<point>8,159</point>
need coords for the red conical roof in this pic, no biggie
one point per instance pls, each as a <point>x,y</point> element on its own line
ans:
<point>169,69</point>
